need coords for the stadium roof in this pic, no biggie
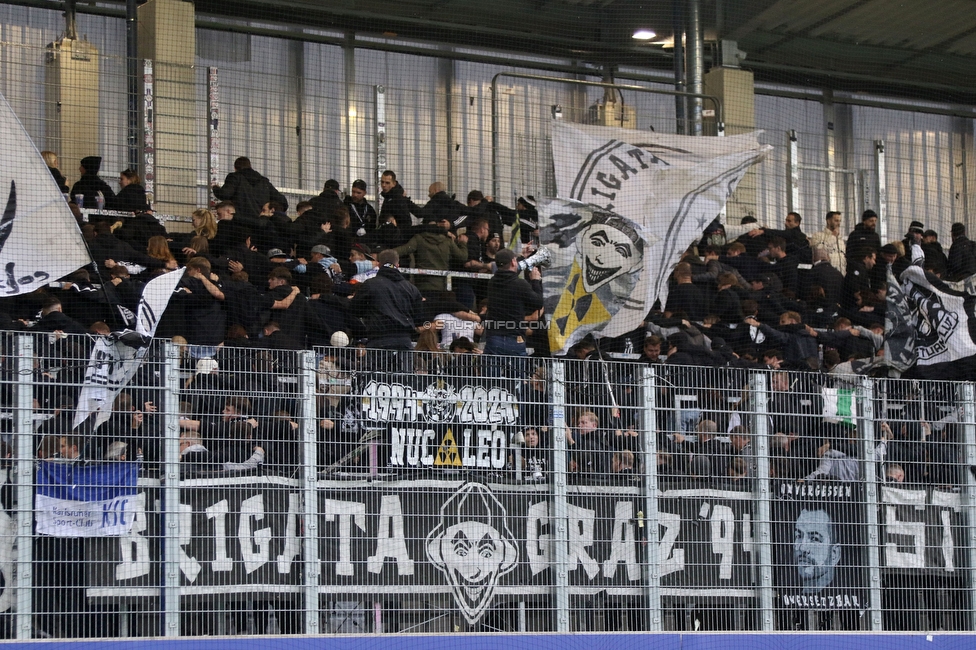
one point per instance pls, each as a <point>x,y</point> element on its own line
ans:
<point>900,47</point>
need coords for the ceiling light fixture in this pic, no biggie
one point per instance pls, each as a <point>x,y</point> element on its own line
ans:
<point>643,35</point>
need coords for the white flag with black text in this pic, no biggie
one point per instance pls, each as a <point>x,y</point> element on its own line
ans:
<point>673,186</point>
<point>39,238</point>
<point>116,358</point>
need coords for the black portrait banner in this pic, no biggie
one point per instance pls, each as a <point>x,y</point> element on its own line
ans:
<point>819,542</point>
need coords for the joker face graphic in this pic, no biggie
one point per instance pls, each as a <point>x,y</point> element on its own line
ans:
<point>608,248</point>
<point>472,547</point>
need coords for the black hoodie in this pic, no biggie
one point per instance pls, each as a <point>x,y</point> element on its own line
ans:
<point>510,300</point>
<point>861,238</point>
<point>90,185</point>
<point>249,191</point>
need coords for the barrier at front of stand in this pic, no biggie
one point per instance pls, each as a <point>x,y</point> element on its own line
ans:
<point>348,491</point>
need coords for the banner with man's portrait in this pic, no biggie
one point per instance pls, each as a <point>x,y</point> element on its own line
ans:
<point>819,542</point>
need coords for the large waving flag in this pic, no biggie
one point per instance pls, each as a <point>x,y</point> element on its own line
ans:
<point>77,500</point>
<point>672,186</point>
<point>116,358</point>
<point>598,261</point>
<point>931,323</point>
<point>39,238</point>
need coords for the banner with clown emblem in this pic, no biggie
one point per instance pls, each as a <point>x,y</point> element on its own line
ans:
<point>598,263</point>
<point>650,195</point>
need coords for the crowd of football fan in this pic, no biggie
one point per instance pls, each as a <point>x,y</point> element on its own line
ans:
<point>260,286</point>
<point>259,283</point>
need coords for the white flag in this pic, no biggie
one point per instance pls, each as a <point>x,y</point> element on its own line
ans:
<point>39,238</point>
<point>673,186</point>
<point>116,358</point>
<point>942,316</point>
<point>598,258</point>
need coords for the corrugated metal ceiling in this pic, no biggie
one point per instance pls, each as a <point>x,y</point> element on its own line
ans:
<point>896,44</point>
<point>912,25</point>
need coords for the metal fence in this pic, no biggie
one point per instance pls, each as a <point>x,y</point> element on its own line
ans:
<point>345,490</point>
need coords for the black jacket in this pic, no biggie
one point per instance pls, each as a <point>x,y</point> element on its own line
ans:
<point>728,306</point>
<point>109,247</point>
<point>799,348</point>
<point>497,215</point>
<point>90,185</point>
<point>797,243</point>
<point>306,230</point>
<point>592,454</point>
<point>55,321</point>
<point>962,258</point>
<point>441,206</point>
<point>249,191</point>
<point>128,292</point>
<point>131,198</point>
<point>786,270</point>
<point>858,278</point>
<point>231,234</point>
<point>325,204</point>
<point>397,205</point>
<point>391,308</point>
<point>59,179</point>
<point>203,314</point>
<point>275,231</point>
<point>822,275</point>
<point>361,215</point>
<point>861,238</point>
<point>510,300</point>
<point>137,230</point>
<point>686,298</point>
<point>326,315</point>
<point>935,257</point>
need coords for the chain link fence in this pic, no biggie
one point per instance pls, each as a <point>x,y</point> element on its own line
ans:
<point>347,490</point>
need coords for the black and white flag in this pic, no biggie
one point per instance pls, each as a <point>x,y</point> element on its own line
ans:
<point>672,186</point>
<point>39,238</point>
<point>930,322</point>
<point>116,358</point>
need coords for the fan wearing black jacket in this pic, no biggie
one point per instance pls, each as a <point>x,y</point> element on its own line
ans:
<point>510,300</point>
<point>89,185</point>
<point>248,190</point>
<point>395,202</point>
<point>389,305</point>
<point>132,196</point>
